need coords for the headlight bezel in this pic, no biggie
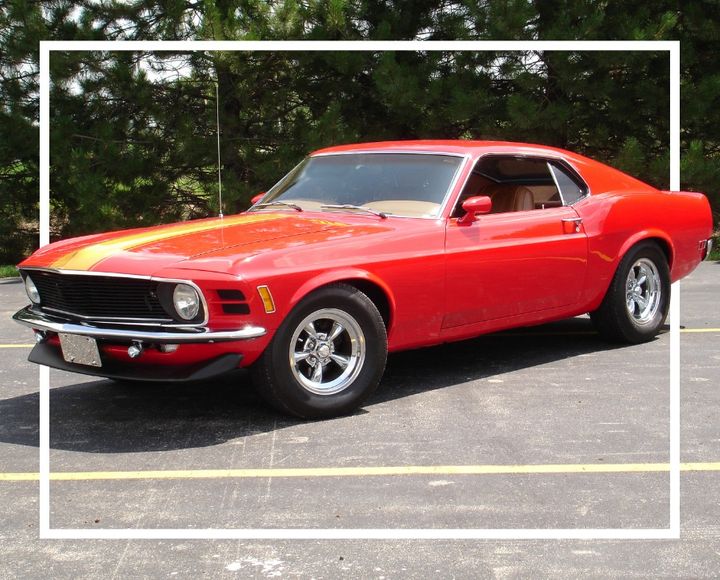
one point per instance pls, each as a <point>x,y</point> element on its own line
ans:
<point>31,289</point>
<point>186,302</point>
<point>166,292</point>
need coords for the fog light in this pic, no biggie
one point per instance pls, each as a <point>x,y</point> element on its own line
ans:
<point>186,301</point>
<point>135,350</point>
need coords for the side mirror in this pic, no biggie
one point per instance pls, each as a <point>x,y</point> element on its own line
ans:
<point>257,198</point>
<point>474,205</point>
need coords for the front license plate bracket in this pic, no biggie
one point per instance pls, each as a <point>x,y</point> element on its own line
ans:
<point>81,350</point>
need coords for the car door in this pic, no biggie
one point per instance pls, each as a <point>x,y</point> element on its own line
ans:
<point>515,263</point>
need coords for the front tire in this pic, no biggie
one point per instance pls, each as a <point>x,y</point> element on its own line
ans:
<point>636,304</point>
<point>327,357</point>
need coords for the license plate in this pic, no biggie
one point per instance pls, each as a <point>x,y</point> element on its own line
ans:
<point>81,350</point>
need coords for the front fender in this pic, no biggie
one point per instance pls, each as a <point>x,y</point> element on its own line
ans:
<point>344,275</point>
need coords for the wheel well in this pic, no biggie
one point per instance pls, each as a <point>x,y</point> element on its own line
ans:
<point>376,294</point>
<point>664,246</point>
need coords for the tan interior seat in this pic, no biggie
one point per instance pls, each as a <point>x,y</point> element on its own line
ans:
<point>509,197</point>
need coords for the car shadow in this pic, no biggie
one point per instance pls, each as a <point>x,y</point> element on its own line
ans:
<point>106,417</point>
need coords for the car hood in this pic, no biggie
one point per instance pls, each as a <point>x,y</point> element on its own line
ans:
<point>211,244</point>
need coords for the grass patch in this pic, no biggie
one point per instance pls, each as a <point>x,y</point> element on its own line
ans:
<point>8,272</point>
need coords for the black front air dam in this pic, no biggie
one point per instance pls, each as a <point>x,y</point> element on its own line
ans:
<point>45,354</point>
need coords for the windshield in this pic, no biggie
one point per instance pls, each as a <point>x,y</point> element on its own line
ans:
<point>405,184</point>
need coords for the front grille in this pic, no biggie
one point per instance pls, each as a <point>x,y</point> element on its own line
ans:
<point>99,297</point>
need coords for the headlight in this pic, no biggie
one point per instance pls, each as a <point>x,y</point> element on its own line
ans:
<point>32,290</point>
<point>186,301</point>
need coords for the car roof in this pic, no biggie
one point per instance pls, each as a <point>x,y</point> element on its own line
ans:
<point>597,175</point>
<point>457,146</point>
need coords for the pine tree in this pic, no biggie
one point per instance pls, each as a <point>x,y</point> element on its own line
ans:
<point>133,134</point>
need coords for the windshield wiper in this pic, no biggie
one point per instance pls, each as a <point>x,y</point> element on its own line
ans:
<point>294,206</point>
<point>351,207</point>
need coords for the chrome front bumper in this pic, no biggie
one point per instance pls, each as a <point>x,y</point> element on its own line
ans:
<point>45,323</point>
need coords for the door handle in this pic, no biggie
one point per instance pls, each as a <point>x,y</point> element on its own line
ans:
<point>572,225</point>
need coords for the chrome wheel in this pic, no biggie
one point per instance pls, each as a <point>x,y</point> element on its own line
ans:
<point>643,291</point>
<point>327,351</point>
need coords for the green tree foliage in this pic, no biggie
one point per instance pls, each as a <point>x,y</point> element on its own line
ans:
<point>133,138</point>
<point>18,135</point>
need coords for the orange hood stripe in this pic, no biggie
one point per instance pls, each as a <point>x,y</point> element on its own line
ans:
<point>85,258</point>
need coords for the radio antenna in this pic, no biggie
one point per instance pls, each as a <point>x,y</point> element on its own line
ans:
<point>217,127</point>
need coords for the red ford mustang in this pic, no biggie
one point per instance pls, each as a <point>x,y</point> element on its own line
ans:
<point>361,250</point>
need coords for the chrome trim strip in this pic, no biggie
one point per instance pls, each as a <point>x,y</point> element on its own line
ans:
<point>453,187</point>
<point>555,181</point>
<point>85,272</point>
<point>708,248</point>
<point>395,151</point>
<point>38,321</point>
<point>135,277</point>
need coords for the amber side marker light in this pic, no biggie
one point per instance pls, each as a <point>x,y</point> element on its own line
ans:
<point>266,298</point>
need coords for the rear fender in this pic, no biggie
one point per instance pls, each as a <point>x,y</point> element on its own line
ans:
<point>646,235</point>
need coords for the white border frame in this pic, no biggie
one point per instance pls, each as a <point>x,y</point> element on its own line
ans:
<point>672,532</point>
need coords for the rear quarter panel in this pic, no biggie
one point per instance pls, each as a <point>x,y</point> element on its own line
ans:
<point>616,221</point>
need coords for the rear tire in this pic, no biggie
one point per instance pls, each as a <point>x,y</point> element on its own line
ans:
<point>636,304</point>
<point>327,357</point>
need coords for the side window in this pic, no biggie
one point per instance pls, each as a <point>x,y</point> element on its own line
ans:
<point>570,189</point>
<point>513,184</point>
<point>521,184</point>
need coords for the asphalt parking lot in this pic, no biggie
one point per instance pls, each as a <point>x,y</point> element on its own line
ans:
<point>553,395</point>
